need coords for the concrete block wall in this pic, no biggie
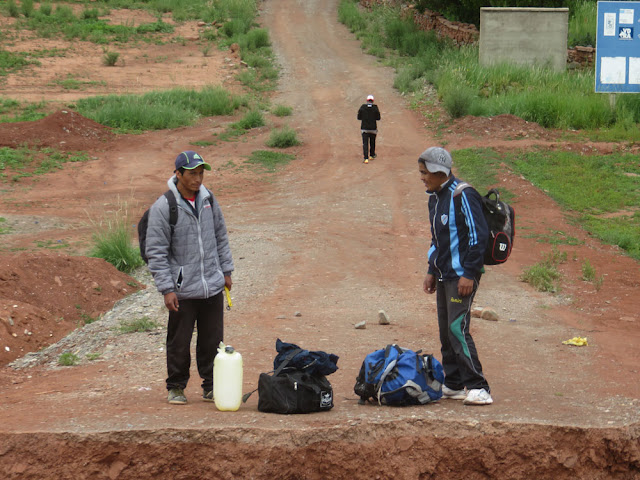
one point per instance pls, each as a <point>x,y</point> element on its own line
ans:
<point>524,36</point>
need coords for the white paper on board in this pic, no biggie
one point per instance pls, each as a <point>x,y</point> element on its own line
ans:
<point>634,70</point>
<point>613,70</point>
<point>626,16</point>
<point>609,24</point>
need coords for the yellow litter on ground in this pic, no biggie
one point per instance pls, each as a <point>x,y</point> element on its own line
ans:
<point>577,341</point>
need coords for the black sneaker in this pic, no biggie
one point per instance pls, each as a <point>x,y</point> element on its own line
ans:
<point>176,397</point>
<point>207,395</point>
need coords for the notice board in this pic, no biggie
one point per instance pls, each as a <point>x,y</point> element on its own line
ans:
<point>618,47</point>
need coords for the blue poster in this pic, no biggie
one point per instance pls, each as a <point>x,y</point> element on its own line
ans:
<point>618,47</point>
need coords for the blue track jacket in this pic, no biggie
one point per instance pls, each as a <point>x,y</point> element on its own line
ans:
<point>459,232</point>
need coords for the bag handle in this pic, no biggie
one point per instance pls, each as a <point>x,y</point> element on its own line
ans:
<point>495,192</point>
<point>284,363</point>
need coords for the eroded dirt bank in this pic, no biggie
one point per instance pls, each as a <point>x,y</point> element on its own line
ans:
<point>406,450</point>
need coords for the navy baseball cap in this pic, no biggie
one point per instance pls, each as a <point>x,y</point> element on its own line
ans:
<point>190,160</point>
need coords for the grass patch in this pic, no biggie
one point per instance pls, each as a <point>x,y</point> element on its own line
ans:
<point>52,244</point>
<point>544,275</point>
<point>159,110</point>
<point>13,61</point>
<point>112,239</point>
<point>69,82</point>
<point>27,162</point>
<point>3,228</point>
<point>269,161</point>
<point>480,167</point>
<point>87,319</point>
<point>68,359</point>
<point>15,111</point>
<point>143,324</point>
<point>202,143</point>
<point>87,26</point>
<point>555,237</point>
<point>284,137</point>
<point>611,181</point>
<point>282,111</point>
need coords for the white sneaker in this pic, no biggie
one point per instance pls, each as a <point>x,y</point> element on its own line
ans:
<point>478,396</point>
<point>453,394</point>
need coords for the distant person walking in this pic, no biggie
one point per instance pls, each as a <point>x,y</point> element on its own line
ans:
<point>191,264</point>
<point>369,115</point>
<point>459,234</point>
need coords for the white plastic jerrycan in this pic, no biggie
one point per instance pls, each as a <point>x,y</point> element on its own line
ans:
<point>227,379</point>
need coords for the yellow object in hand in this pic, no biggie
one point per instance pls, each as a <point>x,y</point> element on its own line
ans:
<point>577,341</point>
<point>229,302</point>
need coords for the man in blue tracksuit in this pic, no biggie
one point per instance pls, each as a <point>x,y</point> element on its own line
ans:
<point>459,234</point>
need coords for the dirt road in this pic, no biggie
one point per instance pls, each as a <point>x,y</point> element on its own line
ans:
<point>334,241</point>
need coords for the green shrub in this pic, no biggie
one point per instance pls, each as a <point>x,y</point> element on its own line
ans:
<point>235,27</point>
<point>588,271</point>
<point>252,119</point>
<point>12,9</point>
<point>155,27</point>
<point>282,111</point>
<point>283,138</point>
<point>110,58</point>
<point>583,19</point>
<point>64,14</point>
<point>254,40</point>
<point>349,14</point>
<point>206,48</point>
<point>26,7</point>
<point>143,324</point>
<point>458,101</point>
<point>112,240</point>
<point>46,9</point>
<point>90,14</point>
<point>544,275</point>
<point>68,359</point>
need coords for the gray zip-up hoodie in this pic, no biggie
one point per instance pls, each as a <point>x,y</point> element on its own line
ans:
<point>194,262</point>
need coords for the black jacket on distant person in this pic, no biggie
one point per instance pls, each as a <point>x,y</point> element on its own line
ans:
<point>369,113</point>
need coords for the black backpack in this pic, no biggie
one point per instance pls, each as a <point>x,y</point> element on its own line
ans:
<point>173,219</point>
<point>501,220</point>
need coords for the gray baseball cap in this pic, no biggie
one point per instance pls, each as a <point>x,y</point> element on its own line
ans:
<point>436,159</point>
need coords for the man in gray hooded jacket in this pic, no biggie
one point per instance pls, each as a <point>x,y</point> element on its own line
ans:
<point>191,265</point>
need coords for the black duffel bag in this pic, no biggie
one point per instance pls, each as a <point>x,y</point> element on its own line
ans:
<point>294,392</point>
<point>290,390</point>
